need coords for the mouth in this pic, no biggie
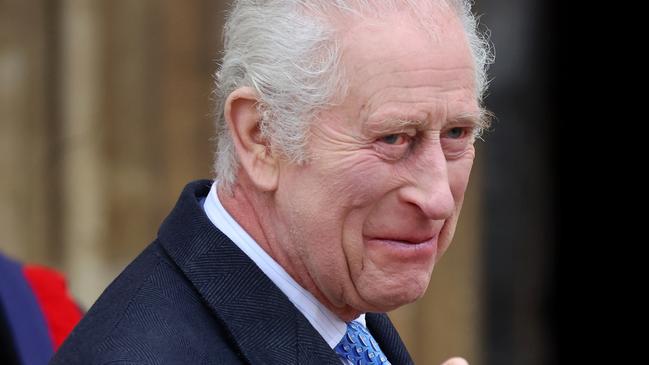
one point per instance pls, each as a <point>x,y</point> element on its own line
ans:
<point>405,248</point>
<point>411,238</point>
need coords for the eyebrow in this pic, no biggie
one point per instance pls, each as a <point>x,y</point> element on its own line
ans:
<point>476,119</point>
<point>479,120</point>
<point>393,125</point>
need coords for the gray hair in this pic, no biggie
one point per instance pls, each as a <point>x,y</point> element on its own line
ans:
<point>288,52</point>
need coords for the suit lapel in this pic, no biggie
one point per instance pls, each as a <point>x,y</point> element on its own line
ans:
<point>265,326</point>
<point>388,338</point>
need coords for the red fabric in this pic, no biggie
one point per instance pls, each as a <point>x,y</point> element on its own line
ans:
<point>60,311</point>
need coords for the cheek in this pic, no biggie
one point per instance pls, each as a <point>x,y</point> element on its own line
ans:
<point>356,181</point>
<point>341,191</point>
<point>458,175</point>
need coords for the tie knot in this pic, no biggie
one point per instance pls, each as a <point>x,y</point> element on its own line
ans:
<point>359,347</point>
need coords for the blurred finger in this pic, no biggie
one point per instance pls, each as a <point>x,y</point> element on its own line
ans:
<point>456,361</point>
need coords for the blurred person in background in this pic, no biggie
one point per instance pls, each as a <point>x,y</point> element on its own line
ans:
<point>346,137</point>
<point>36,312</point>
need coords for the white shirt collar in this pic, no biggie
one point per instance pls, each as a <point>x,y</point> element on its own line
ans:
<point>330,327</point>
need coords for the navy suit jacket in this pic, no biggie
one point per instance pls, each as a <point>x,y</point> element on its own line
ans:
<point>193,297</point>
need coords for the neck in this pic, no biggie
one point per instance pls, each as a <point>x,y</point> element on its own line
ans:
<point>254,212</point>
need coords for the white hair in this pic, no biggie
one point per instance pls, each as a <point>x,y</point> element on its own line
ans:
<point>288,51</point>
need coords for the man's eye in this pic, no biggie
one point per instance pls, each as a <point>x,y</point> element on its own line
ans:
<point>394,139</point>
<point>457,132</point>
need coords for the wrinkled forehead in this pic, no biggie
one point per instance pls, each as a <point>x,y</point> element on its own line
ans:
<point>434,28</point>
<point>345,13</point>
<point>394,44</point>
<point>374,7</point>
<point>374,42</point>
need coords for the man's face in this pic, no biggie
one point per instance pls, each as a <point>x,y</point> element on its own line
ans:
<point>377,205</point>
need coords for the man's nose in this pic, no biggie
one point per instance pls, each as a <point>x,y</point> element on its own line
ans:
<point>430,189</point>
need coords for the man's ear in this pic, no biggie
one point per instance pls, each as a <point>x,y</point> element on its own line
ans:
<point>254,152</point>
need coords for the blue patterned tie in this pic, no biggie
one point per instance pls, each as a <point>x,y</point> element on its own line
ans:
<point>359,347</point>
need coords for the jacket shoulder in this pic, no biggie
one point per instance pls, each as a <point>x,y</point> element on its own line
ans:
<point>150,314</point>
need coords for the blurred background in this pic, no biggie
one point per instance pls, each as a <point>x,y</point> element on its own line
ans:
<point>106,113</point>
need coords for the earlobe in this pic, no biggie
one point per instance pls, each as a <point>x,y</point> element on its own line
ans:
<point>254,152</point>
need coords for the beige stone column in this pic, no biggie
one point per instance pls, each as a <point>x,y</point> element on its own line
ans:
<point>83,187</point>
<point>25,146</point>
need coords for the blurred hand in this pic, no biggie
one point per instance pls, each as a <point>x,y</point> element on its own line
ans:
<point>455,361</point>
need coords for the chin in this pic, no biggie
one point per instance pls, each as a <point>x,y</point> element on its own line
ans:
<point>394,297</point>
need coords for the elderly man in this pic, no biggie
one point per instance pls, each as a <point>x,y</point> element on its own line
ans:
<point>345,144</point>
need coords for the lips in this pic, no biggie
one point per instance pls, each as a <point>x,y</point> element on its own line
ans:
<point>405,240</point>
<point>417,232</point>
<point>402,249</point>
<point>410,239</point>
